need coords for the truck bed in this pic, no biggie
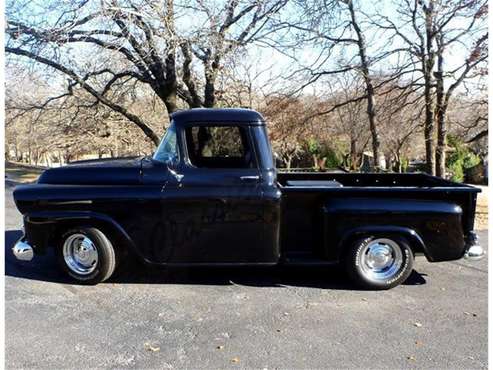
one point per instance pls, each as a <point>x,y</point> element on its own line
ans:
<point>310,181</point>
<point>306,195</point>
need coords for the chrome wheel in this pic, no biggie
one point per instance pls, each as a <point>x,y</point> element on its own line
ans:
<point>381,259</point>
<point>80,254</point>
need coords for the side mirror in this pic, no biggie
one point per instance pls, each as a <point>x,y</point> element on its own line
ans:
<point>277,159</point>
<point>170,160</point>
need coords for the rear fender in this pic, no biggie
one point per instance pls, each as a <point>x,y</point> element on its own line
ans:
<point>415,241</point>
<point>433,227</point>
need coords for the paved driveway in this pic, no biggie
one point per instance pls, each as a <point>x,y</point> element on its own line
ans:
<point>262,318</point>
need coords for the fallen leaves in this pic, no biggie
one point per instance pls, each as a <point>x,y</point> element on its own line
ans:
<point>151,348</point>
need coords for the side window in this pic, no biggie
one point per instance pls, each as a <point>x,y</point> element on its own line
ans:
<point>219,147</point>
<point>167,151</point>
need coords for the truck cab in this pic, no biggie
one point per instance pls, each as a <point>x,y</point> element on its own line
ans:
<point>221,193</point>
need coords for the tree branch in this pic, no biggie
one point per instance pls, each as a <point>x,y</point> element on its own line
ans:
<point>116,107</point>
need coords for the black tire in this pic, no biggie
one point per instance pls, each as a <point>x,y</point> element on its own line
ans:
<point>106,256</point>
<point>360,274</point>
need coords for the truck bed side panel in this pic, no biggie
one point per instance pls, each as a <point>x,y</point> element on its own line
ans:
<point>305,224</point>
<point>437,223</point>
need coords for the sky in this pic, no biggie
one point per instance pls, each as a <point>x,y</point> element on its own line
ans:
<point>263,61</point>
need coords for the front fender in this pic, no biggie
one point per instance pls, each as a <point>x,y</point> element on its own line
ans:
<point>44,227</point>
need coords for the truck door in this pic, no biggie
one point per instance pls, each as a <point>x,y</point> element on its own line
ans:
<point>215,210</point>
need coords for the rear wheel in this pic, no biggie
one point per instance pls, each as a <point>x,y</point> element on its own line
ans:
<point>87,255</point>
<point>379,262</point>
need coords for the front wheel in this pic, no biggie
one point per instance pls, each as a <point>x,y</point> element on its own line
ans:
<point>87,255</point>
<point>379,262</point>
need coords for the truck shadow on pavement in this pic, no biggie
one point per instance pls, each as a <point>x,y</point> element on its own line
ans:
<point>44,268</point>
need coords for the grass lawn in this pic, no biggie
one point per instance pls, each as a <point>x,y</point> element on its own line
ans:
<point>21,172</point>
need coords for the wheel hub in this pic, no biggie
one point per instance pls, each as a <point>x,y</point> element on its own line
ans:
<point>379,256</point>
<point>381,259</point>
<point>80,254</point>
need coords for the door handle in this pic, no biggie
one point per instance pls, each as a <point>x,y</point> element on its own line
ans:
<point>250,178</point>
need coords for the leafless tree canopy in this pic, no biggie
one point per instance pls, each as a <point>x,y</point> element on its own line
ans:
<point>388,80</point>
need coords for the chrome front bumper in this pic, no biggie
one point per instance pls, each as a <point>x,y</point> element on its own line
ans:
<point>474,252</point>
<point>23,251</point>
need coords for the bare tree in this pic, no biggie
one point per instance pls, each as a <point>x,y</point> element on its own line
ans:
<point>141,40</point>
<point>430,29</point>
<point>401,120</point>
<point>418,17</point>
<point>338,34</point>
<point>468,118</point>
<point>351,120</point>
<point>287,126</point>
<point>370,90</point>
<point>211,44</point>
<point>98,74</point>
<point>71,127</point>
<point>469,69</point>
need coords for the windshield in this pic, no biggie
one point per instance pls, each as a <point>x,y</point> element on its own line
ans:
<point>167,151</point>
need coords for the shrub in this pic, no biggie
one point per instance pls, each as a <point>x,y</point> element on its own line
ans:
<point>334,158</point>
<point>313,146</point>
<point>325,155</point>
<point>460,159</point>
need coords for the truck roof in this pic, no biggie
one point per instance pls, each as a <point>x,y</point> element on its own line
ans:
<point>229,115</point>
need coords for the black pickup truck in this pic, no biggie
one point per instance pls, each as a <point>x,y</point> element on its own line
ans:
<point>211,195</point>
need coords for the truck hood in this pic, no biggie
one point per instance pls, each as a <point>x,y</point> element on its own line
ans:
<point>121,171</point>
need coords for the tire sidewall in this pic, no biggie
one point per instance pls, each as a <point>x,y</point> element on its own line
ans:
<point>354,268</point>
<point>106,256</point>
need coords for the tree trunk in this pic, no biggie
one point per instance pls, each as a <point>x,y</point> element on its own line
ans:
<point>440,117</point>
<point>370,91</point>
<point>429,134</point>
<point>209,88</point>
<point>428,61</point>
<point>353,155</point>
<point>399,161</point>
<point>170,86</point>
<point>288,162</point>
<point>170,103</point>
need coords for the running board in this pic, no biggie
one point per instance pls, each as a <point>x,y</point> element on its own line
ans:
<point>306,261</point>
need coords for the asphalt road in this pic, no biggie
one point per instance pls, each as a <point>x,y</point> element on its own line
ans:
<point>243,318</point>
